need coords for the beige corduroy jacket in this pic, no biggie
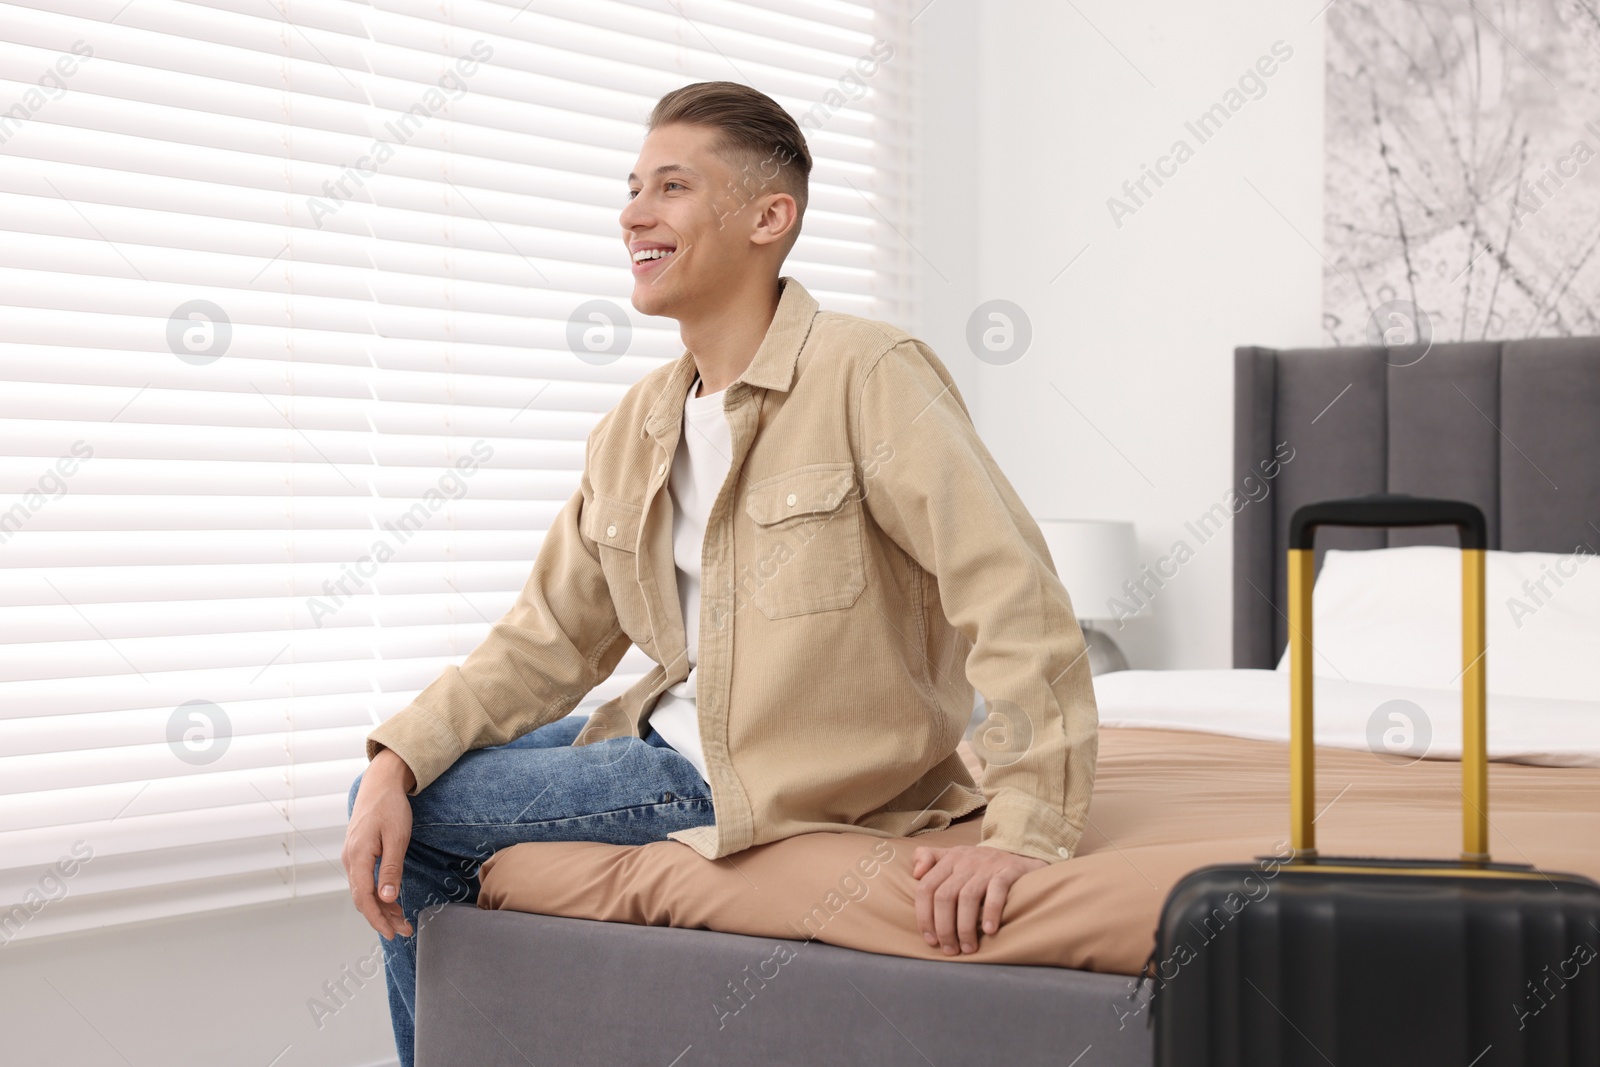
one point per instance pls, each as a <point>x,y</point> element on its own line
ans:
<point>866,565</point>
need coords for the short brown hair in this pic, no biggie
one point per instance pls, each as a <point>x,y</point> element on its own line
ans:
<point>757,138</point>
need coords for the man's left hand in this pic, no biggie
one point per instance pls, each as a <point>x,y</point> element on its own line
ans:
<point>955,884</point>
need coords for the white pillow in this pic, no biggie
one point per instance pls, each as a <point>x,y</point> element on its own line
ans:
<point>1392,616</point>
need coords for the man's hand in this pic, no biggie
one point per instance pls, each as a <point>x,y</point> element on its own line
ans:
<point>380,826</point>
<point>954,884</point>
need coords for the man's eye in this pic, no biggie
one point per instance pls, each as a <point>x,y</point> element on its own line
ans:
<point>634,192</point>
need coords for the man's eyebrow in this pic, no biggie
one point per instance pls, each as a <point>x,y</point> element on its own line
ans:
<point>669,168</point>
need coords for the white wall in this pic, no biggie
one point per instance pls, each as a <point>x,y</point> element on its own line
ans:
<point>1139,332</point>
<point>944,192</point>
<point>227,987</point>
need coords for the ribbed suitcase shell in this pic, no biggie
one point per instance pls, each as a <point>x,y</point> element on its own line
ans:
<point>1351,962</point>
<point>1371,969</point>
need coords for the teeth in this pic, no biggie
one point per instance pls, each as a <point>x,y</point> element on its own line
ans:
<point>652,253</point>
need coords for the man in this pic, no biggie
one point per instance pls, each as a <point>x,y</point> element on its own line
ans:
<point>797,522</point>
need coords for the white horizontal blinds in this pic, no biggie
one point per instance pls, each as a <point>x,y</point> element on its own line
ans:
<point>841,69</point>
<point>286,392</point>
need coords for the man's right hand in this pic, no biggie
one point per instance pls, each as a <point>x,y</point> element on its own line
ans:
<point>379,832</point>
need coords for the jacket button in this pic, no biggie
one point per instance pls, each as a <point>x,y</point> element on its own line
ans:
<point>611,531</point>
<point>792,499</point>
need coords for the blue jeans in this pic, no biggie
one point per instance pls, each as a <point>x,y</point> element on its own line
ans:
<point>625,791</point>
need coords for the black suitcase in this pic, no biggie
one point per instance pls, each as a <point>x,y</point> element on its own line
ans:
<point>1348,962</point>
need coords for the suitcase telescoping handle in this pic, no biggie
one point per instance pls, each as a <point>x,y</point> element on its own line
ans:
<point>1390,510</point>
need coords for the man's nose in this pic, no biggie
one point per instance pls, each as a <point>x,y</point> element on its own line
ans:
<point>633,214</point>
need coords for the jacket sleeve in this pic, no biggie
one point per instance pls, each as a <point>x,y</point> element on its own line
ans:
<point>559,640</point>
<point>946,503</point>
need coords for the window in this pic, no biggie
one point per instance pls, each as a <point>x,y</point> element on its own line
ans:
<point>286,390</point>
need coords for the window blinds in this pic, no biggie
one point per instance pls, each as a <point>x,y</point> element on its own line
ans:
<point>286,391</point>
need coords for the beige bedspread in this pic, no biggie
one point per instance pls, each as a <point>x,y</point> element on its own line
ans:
<point>1165,802</point>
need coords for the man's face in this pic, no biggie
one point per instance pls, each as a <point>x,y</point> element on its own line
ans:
<point>684,198</point>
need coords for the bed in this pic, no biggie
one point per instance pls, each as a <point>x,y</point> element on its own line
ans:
<point>802,952</point>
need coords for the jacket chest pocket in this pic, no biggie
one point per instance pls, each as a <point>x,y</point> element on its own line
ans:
<point>614,527</point>
<point>808,552</point>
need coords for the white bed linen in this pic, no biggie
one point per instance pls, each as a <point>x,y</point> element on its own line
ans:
<point>1393,615</point>
<point>1254,704</point>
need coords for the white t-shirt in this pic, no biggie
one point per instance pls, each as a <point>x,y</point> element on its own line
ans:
<point>700,466</point>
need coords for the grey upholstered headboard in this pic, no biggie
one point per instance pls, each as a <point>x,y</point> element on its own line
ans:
<point>1512,426</point>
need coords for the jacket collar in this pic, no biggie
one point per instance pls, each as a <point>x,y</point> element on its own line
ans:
<point>772,367</point>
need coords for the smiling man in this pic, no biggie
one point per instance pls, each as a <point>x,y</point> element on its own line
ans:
<point>797,522</point>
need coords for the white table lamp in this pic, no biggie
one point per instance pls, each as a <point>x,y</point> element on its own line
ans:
<point>1094,558</point>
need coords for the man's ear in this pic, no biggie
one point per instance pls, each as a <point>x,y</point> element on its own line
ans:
<point>776,220</point>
